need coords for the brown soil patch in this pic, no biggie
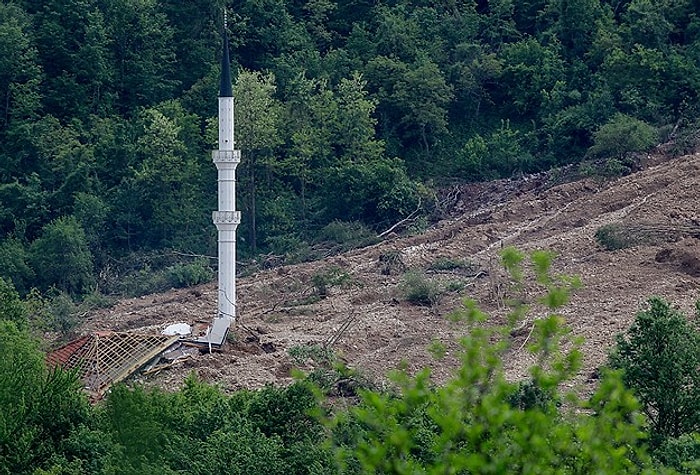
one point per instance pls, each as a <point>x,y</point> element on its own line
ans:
<point>684,258</point>
<point>276,312</point>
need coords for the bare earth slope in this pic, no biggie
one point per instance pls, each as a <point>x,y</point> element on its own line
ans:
<point>274,313</point>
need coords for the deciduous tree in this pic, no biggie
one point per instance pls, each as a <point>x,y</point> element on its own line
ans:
<point>258,116</point>
<point>660,357</point>
<point>42,410</point>
<point>61,257</point>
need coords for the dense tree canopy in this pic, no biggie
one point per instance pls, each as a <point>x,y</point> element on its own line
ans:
<point>107,110</point>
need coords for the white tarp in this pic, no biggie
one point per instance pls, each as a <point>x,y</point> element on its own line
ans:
<point>177,329</point>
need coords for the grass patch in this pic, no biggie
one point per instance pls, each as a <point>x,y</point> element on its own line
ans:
<point>617,236</point>
<point>418,289</point>
<point>449,264</point>
<point>331,277</point>
<point>318,354</point>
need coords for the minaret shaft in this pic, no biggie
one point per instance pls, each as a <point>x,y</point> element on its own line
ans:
<point>226,123</point>
<point>227,217</point>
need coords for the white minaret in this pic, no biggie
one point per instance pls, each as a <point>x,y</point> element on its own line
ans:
<point>226,218</point>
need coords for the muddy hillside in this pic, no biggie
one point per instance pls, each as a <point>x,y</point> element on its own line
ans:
<point>355,302</point>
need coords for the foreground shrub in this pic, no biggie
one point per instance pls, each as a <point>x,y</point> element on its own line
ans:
<point>201,430</point>
<point>42,411</point>
<point>681,453</point>
<point>660,357</point>
<point>478,422</point>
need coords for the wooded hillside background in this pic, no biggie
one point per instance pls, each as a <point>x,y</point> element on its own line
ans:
<point>349,116</point>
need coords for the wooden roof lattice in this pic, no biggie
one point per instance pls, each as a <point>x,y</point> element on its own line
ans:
<point>105,358</point>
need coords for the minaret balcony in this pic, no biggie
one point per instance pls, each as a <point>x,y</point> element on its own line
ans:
<point>226,156</point>
<point>226,217</point>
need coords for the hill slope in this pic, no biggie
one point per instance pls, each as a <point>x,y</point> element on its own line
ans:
<point>277,311</point>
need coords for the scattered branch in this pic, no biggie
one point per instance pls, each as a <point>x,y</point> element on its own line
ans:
<point>333,339</point>
<point>408,219</point>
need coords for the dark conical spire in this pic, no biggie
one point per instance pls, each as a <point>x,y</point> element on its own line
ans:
<point>225,89</point>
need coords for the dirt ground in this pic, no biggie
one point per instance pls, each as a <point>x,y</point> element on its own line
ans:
<point>277,310</point>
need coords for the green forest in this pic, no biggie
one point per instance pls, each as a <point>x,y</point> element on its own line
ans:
<point>350,116</point>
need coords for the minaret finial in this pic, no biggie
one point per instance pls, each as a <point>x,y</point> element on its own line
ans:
<point>225,87</point>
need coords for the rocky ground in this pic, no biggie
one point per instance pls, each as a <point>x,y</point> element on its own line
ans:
<point>373,328</point>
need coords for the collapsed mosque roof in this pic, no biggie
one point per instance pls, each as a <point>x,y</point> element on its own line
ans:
<point>104,358</point>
